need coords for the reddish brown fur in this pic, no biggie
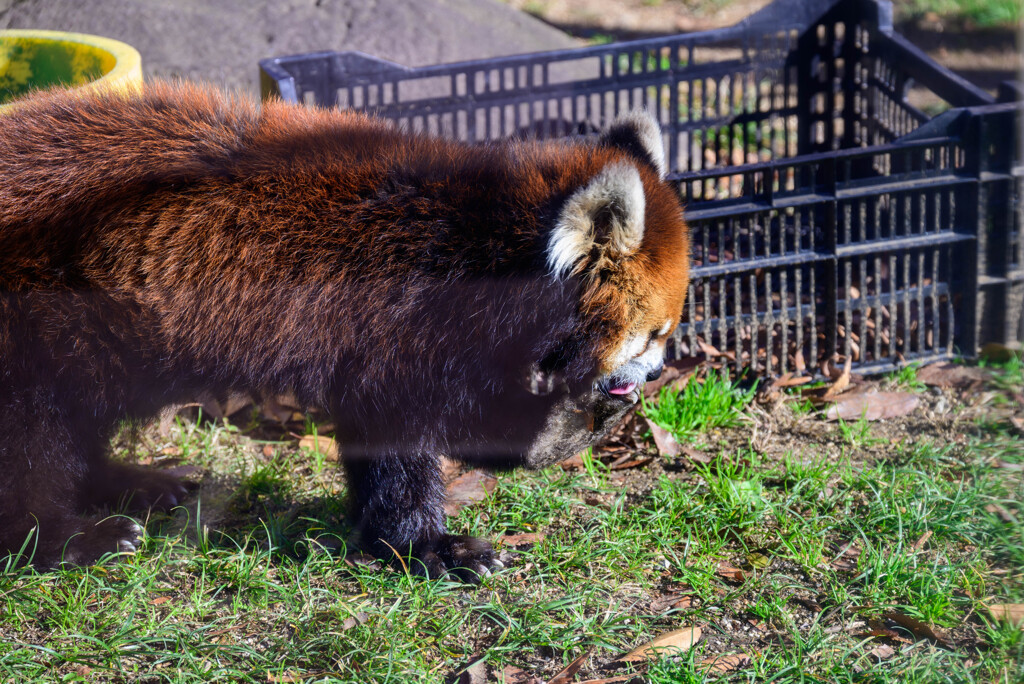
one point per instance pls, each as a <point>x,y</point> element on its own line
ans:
<point>156,247</point>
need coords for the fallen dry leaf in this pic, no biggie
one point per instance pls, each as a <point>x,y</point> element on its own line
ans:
<point>950,375</point>
<point>574,462</point>
<point>321,444</point>
<point>882,652</point>
<point>674,376</point>
<point>159,600</point>
<point>730,572</point>
<point>566,675</point>
<point>1000,463</point>
<point>288,677</point>
<point>921,541</point>
<point>798,361</point>
<point>82,670</point>
<point>357,619</point>
<point>695,456</point>
<point>846,559</point>
<point>669,601</point>
<point>921,630</point>
<point>725,664</point>
<point>510,674</point>
<point>873,406</point>
<point>1003,514</point>
<point>609,680</point>
<point>681,639</point>
<point>790,380</point>
<point>468,488</point>
<point>272,409</point>
<point>663,439</point>
<point>521,539</point>
<point>625,462</point>
<point>842,382</point>
<point>1012,613</point>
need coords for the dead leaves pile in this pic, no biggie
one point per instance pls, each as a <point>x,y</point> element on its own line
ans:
<point>673,643</point>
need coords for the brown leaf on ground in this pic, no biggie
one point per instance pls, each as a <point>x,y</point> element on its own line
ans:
<point>921,541</point>
<point>609,680</point>
<point>921,630</point>
<point>730,572</point>
<point>272,409</point>
<point>724,664</point>
<point>951,375</point>
<point>873,406</point>
<point>846,559</point>
<point>449,469</point>
<point>1012,613</point>
<point>1000,463</point>
<point>1003,514</point>
<point>322,444</point>
<point>510,674</point>
<point>567,675</point>
<point>667,602</point>
<point>663,439</point>
<point>790,380</point>
<point>877,628</point>
<point>284,678</point>
<point>882,652</point>
<point>574,462</point>
<point>357,619</point>
<point>681,639</point>
<point>695,455</point>
<point>842,382</point>
<point>468,488</point>
<point>522,539</point>
<point>675,375</point>
<point>625,462</point>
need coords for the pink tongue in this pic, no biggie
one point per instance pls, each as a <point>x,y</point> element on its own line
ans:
<point>624,389</point>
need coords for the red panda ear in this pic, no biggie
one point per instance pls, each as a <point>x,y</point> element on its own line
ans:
<point>602,221</point>
<point>638,133</point>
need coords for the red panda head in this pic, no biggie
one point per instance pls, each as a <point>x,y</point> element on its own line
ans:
<point>622,236</point>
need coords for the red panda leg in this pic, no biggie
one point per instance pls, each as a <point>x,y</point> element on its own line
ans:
<point>399,505</point>
<point>43,462</point>
<point>121,486</point>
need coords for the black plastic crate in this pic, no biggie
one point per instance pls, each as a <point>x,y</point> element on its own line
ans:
<point>829,215</point>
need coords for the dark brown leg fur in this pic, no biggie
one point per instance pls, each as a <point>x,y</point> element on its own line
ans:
<point>399,503</point>
<point>44,458</point>
<point>124,487</point>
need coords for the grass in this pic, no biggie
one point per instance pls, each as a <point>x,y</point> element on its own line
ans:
<point>980,12</point>
<point>713,402</point>
<point>827,534</point>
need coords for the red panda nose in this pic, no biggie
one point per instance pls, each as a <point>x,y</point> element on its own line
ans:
<point>656,373</point>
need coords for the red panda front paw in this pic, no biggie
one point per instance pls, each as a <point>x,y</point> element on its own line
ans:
<point>467,558</point>
<point>116,534</point>
<point>121,486</point>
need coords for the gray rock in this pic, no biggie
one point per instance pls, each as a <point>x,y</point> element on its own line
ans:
<point>221,42</point>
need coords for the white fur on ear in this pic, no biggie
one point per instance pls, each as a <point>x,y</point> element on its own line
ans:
<point>615,195</point>
<point>638,131</point>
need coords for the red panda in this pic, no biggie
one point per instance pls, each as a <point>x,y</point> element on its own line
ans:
<point>500,304</point>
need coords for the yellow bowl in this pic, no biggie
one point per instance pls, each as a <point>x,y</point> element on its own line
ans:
<point>30,60</point>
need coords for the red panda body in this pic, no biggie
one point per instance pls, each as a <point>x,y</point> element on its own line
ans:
<point>157,247</point>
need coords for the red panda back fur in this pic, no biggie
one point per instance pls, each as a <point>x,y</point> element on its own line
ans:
<point>178,242</point>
